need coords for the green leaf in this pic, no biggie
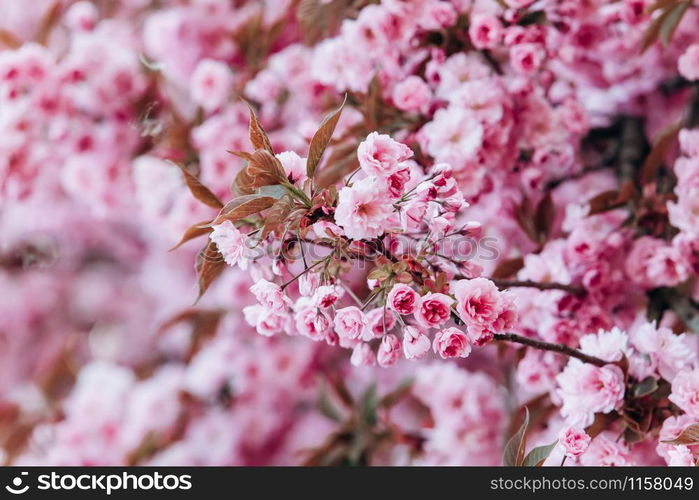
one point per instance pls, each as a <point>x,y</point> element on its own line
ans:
<point>538,455</point>
<point>689,436</point>
<point>645,387</point>
<point>513,455</point>
<point>321,139</point>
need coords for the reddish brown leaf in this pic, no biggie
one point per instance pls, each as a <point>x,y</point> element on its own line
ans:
<point>609,200</point>
<point>265,169</point>
<point>508,268</point>
<point>544,216</point>
<point>664,25</point>
<point>661,146</point>
<point>672,20</point>
<point>244,206</point>
<point>689,436</point>
<point>321,139</point>
<point>258,136</point>
<point>9,39</point>
<point>200,192</point>
<point>48,22</point>
<point>277,214</point>
<point>209,266</point>
<point>194,231</point>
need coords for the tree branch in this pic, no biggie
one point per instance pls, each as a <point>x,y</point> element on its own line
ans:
<point>575,290</point>
<point>545,346</point>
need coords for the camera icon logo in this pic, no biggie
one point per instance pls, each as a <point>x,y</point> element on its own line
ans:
<point>16,487</point>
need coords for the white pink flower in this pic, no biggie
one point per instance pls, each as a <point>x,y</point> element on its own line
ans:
<point>688,63</point>
<point>574,441</point>
<point>211,84</point>
<point>586,389</point>
<point>434,310</point>
<point>451,343</point>
<point>232,244</point>
<point>412,94</point>
<point>685,391</point>
<point>363,210</point>
<point>389,351</point>
<point>349,322</point>
<point>362,355</point>
<point>403,299</point>
<point>270,295</point>
<point>415,343</point>
<point>379,155</point>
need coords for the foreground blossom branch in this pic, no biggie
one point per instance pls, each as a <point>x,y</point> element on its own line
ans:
<point>546,346</point>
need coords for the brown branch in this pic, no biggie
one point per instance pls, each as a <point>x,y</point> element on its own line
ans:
<point>545,346</point>
<point>572,289</point>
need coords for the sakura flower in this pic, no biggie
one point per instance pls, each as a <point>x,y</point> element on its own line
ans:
<point>688,63</point>
<point>485,31</point>
<point>451,343</point>
<point>349,322</point>
<point>587,389</point>
<point>574,441</point>
<point>211,84</point>
<point>403,299</point>
<point>232,244</point>
<point>434,310</point>
<point>362,211</point>
<point>412,94</point>
<point>379,321</point>
<point>685,391</point>
<point>415,344</point>
<point>681,456</point>
<point>389,351</point>
<point>362,355</point>
<point>379,155</point>
<point>270,295</point>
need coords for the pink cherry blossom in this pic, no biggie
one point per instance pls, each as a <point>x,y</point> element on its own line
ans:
<point>415,344</point>
<point>232,244</point>
<point>451,343</point>
<point>688,63</point>
<point>412,94</point>
<point>434,310</point>
<point>389,351</point>
<point>403,299</point>
<point>349,322</point>
<point>361,211</point>
<point>574,441</point>
<point>379,155</point>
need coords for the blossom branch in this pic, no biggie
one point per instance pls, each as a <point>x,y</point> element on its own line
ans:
<point>575,290</point>
<point>545,346</point>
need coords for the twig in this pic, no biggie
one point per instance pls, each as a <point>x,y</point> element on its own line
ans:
<point>545,346</point>
<point>575,290</point>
